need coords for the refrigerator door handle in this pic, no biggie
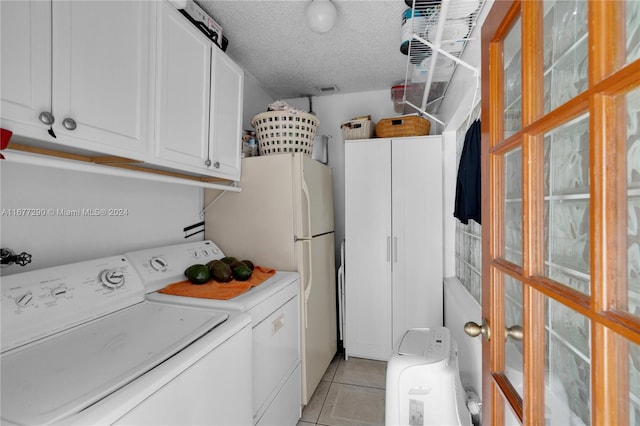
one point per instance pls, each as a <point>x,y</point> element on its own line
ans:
<point>307,198</point>
<point>341,296</point>
<point>308,273</point>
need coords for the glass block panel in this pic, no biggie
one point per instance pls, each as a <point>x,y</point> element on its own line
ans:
<point>570,278</point>
<point>632,18</point>
<point>566,212</point>
<point>468,244</point>
<point>510,418</point>
<point>513,348</point>
<point>569,235</point>
<point>569,158</point>
<point>568,370</point>
<point>632,106</point>
<point>633,255</point>
<point>512,57</point>
<point>634,384</point>
<point>565,51</point>
<point>513,206</point>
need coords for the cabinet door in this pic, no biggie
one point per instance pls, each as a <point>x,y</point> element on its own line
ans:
<point>25,32</point>
<point>368,248</point>
<point>226,107</point>
<point>182,124</point>
<point>101,74</point>
<point>417,233</point>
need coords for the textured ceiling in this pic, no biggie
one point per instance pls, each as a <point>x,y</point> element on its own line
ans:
<point>271,41</point>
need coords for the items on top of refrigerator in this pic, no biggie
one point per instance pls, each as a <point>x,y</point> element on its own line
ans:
<point>283,106</point>
<point>249,144</point>
<point>285,129</point>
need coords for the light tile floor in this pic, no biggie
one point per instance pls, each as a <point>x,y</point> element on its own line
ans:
<point>351,392</point>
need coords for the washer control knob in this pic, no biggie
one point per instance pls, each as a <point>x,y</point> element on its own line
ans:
<point>24,300</point>
<point>158,264</point>
<point>112,278</point>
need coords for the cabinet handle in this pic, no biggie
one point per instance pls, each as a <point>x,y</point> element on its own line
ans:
<point>46,117</point>
<point>69,123</point>
<point>216,164</point>
<point>207,163</point>
<point>277,324</point>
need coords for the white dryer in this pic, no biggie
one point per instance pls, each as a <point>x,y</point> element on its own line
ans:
<point>81,345</point>
<point>274,309</point>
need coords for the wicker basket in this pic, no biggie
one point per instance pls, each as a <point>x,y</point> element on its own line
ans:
<point>280,132</point>
<point>403,126</point>
<point>357,129</point>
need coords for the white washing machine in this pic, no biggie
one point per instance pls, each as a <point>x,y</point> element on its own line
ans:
<point>274,309</point>
<point>81,345</point>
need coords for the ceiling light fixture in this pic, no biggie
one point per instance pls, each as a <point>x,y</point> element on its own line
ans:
<point>321,15</point>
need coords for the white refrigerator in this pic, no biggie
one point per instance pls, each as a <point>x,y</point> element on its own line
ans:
<point>283,219</point>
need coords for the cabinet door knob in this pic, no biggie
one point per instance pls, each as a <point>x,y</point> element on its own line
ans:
<point>46,117</point>
<point>216,164</point>
<point>69,123</point>
<point>207,163</point>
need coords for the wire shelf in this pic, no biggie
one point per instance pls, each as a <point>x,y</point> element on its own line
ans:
<point>440,32</point>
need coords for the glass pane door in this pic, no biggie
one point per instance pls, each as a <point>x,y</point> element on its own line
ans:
<point>561,217</point>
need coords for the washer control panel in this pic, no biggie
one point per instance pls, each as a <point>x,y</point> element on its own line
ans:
<point>38,303</point>
<point>162,266</point>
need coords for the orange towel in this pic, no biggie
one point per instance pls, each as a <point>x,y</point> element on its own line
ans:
<point>216,290</point>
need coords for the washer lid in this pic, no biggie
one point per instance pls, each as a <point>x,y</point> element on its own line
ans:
<point>59,376</point>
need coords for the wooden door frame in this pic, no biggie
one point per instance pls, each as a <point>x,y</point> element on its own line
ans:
<point>604,307</point>
<point>493,25</point>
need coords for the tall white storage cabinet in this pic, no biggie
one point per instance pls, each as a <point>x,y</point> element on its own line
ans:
<point>393,247</point>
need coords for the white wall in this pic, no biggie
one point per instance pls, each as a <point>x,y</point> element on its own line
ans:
<point>459,308</point>
<point>256,100</point>
<point>155,215</point>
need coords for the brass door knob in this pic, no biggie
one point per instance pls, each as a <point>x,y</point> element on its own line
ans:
<point>474,330</point>
<point>515,331</point>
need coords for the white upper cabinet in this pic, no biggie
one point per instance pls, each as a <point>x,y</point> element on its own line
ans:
<point>132,79</point>
<point>226,107</point>
<point>87,63</point>
<point>25,83</point>
<point>101,73</point>
<point>199,115</point>
<point>183,92</point>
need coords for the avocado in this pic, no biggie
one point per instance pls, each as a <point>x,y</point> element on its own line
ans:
<point>220,271</point>
<point>213,262</point>
<point>242,272</point>
<point>197,274</point>
<point>236,264</point>
<point>229,260</point>
<point>249,264</point>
